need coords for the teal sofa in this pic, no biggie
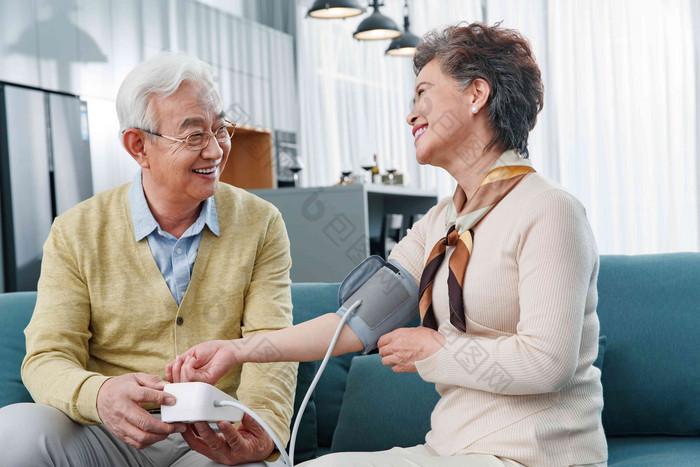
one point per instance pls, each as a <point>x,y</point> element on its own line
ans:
<point>649,309</point>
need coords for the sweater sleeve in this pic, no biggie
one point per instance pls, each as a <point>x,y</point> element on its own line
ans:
<point>556,257</point>
<point>57,337</point>
<point>268,388</point>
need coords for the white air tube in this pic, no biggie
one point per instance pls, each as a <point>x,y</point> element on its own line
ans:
<point>302,407</point>
<point>289,459</point>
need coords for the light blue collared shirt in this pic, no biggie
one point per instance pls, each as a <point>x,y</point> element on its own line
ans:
<point>174,256</point>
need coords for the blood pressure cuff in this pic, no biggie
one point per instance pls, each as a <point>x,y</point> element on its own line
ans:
<point>389,299</point>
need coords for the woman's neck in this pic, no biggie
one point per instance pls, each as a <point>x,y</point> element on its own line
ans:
<point>471,168</point>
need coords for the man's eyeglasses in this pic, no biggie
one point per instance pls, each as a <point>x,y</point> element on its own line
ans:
<point>200,140</point>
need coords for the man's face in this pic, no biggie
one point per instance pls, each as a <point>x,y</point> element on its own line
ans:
<point>177,172</point>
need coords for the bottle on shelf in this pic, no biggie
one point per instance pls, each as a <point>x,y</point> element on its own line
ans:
<point>376,178</point>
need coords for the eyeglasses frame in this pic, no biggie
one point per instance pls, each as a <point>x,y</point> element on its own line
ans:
<point>208,135</point>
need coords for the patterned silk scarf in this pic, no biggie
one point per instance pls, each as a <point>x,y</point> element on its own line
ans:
<point>461,216</point>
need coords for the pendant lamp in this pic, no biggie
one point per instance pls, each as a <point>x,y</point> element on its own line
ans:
<point>334,9</point>
<point>404,45</point>
<point>377,27</point>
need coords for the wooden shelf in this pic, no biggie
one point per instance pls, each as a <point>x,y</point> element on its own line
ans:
<point>250,163</point>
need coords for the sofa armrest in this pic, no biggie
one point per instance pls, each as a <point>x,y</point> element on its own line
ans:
<point>15,312</point>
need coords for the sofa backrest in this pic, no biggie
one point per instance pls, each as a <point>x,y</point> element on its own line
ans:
<point>649,310</point>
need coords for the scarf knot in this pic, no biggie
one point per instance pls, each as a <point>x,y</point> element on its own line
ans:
<point>452,237</point>
<point>461,217</point>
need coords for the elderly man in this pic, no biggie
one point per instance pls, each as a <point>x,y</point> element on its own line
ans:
<point>142,272</point>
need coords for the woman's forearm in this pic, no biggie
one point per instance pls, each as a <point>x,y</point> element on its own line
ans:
<point>305,342</point>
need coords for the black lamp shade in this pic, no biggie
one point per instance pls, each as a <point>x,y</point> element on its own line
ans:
<point>333,9</point>
<point>377,27</point>
<point>404,45</point>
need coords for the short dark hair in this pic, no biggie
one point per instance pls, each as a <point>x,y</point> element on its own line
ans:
<point>504,59</point>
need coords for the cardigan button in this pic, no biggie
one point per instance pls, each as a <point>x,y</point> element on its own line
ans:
<point>179,320</point>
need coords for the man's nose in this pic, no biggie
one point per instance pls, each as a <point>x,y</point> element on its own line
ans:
<point>213,149</point>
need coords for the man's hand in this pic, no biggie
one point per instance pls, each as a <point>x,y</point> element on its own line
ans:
<point>249,443</point>
<point>119,406</point>
<point>206,362</point>
<point>402,348</point>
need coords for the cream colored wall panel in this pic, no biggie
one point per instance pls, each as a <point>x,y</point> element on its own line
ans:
<point>267,105</point>
<point>59,57</point>
<point>235,38</point>
<point>259,43</point>
<point>225,85</point>
<point>19,49</point>
<point>284,108</point>
<point>276,83</point>
<point>96,66</point>
<point>150,52</point>
<point>245,100</point>
<point>187,20</point>
<point>155,24</point>
<point>127,43</point>
<point>287,77</point>
<point>111,164</point>
<point>261,102</point>
<point>211,37</point>
<point>203,21</point>
<point>235,108</point>
<point>224,38</point>
<point>242,46</point>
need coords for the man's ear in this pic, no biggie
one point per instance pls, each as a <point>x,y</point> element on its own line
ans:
<point>479,91</point>
<point>135,145</point>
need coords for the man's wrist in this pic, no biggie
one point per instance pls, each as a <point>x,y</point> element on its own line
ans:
<point>87,398</point>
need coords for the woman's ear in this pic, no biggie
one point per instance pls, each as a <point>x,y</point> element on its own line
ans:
<point>480,90</point>
<point>134,143</point>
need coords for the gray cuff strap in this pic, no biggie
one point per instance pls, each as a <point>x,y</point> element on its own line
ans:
<point>389,301</point>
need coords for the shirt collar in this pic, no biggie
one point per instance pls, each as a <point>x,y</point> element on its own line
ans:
<point>145,223</point>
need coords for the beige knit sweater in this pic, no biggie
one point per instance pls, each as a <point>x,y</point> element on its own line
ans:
<point>104,309</point>
<point>520,383</point>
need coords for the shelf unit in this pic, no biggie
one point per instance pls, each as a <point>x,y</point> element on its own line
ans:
<point>251,160</point>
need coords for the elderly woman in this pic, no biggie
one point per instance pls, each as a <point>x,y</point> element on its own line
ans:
<point>507,272</point>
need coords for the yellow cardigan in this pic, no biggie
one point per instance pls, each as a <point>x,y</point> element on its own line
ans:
<point>104,309</point>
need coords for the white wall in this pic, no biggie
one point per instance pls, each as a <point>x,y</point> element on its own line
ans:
<point>86,47</point>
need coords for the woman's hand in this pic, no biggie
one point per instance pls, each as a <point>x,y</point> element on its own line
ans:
<point>402,348</point>
<point>249,443</point>
<point>206,362</point>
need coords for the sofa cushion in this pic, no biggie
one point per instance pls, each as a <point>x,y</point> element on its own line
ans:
<point>311,300</point>
<point>602,343</point>
<point>305,304</point>
<point>15,312</point>
<point>306,446</point>
<point>649,309</point>
<point>668,451</point>
<point>382,409</point>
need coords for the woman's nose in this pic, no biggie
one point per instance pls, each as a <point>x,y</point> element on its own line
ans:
<point>411,117</point>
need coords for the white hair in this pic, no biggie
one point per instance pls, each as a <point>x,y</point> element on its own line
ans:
<point>162,76</point>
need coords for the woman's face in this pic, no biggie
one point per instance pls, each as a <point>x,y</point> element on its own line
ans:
<point>442,120</point>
